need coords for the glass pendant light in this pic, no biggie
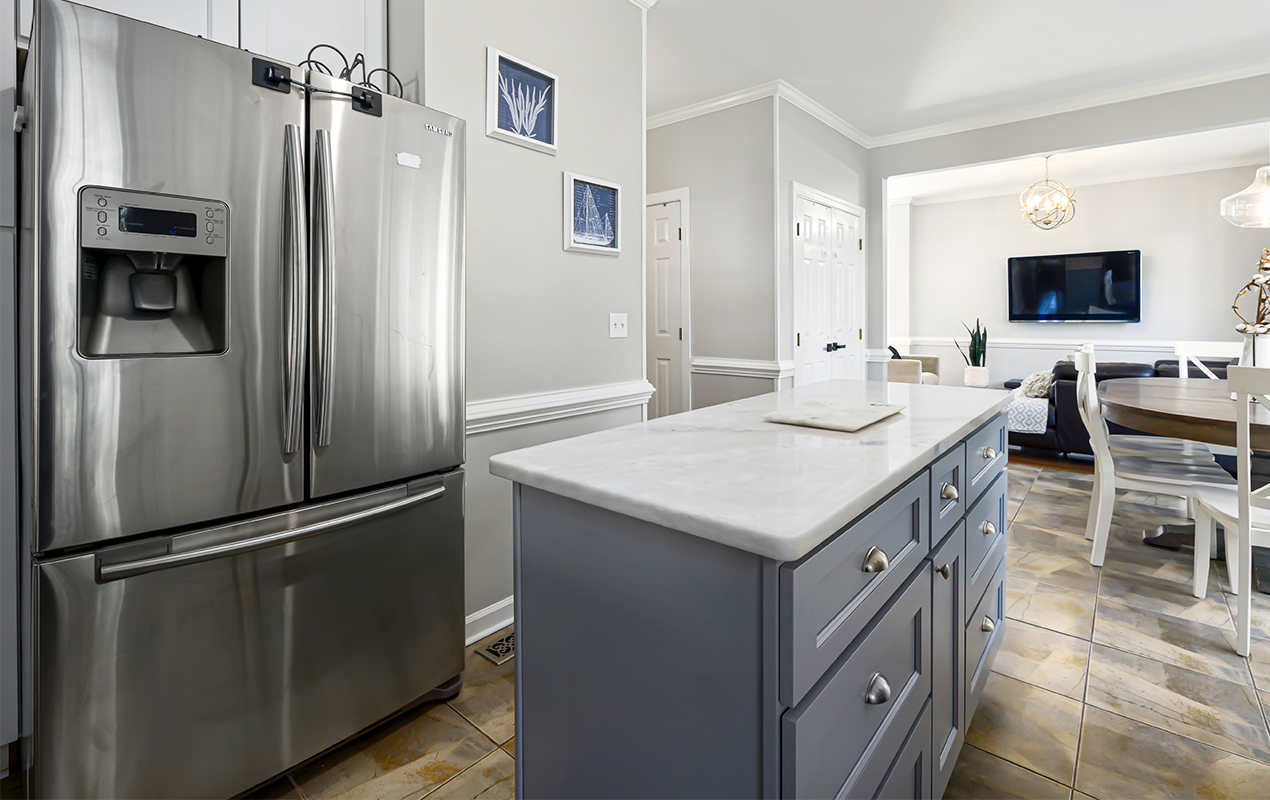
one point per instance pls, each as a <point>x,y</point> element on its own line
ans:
<point>1251,207</point>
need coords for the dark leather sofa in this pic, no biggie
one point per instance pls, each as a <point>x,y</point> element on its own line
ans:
<point>1066,431</point>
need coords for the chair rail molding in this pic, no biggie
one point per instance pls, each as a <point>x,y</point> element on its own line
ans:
<point>1161,347</point>
<point>484,416</point>
<point>743,368</point>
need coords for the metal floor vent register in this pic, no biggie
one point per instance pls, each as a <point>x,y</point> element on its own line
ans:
<point>501,650</point>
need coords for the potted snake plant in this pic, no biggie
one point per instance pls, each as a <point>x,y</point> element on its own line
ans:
<point>976,362</point>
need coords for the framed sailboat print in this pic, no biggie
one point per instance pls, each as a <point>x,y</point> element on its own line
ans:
<point>592,215</point>
<point>520,102</point>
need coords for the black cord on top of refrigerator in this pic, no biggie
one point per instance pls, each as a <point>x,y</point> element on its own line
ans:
<point>346,74</point>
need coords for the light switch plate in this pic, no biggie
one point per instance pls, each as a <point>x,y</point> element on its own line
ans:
<point>617,326</point>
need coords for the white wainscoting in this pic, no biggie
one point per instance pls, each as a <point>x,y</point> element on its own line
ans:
<point>743,368</point>
<point>509,412</point>
<point>1018,358</point>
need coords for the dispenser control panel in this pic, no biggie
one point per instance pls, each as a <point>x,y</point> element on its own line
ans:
<point>121,219</point>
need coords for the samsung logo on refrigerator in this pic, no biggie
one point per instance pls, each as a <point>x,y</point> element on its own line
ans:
<point>435,129</point>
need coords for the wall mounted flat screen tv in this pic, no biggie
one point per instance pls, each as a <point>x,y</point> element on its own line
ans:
<point>1082,287</point>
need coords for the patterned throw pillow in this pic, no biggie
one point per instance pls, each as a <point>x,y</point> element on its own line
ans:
<point>1036,385</point>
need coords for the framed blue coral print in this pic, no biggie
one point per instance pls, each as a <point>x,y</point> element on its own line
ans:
<point>520,102</point>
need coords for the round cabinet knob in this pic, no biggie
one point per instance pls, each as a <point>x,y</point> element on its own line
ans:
<point>944,572</point>
<point>879,690</point>
<point>876,561</point>
<point>988,625</point>
<point>948,492</point>
<point>989,529</point>
<point>989,453</point>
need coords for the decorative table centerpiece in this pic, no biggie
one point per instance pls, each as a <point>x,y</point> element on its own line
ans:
<point>1256,345</point>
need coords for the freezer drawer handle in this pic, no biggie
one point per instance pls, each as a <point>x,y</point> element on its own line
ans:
<point>129,569</point>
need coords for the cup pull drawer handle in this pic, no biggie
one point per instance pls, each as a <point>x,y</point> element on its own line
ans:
<point>944,572</point>
<point>989,528</point>
<point>948,492</point>
<point>876,561</point>
<point>989,454</point>
<point>988,625</point>
<point>879,690</point>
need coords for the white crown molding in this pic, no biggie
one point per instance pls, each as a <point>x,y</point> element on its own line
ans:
<point>1076,104</point>
<point>743,368</point>
<point>644,4</point>
<point>484,416</point>
<point>490,619</point>
<point>778,88</point>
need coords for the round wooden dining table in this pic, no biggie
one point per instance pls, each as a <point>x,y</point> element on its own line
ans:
<point>1198,409</point>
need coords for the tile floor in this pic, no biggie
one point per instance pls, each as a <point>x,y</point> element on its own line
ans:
<point>1111,683</point>
<point>1114,682</point>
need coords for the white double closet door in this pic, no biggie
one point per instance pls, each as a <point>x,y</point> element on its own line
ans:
<point>828,293</point>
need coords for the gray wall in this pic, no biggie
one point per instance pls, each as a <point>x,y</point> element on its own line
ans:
<point>1215,106</point>
<point>815,155</point>
<point>537,316</point>
<point>1193,263</point>
<point>727,161</point>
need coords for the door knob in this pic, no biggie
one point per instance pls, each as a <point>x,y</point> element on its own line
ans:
<point>988,625</point>
<point>948,492</point>
<point>944,572</point>
<point>876,561</point>
<point>989,453</point>
<point>879,690</point>
<point>989,529</point>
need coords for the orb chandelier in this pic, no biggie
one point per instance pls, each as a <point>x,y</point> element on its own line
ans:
<point>1251,207</point>
<point>1048,204</point>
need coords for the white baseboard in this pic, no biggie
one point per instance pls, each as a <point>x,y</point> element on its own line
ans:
<point>490,619</point>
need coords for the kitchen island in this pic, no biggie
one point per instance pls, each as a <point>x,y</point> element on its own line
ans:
<point>710,605</point>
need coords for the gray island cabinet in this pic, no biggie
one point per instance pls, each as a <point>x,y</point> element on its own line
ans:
<point>710,605</point>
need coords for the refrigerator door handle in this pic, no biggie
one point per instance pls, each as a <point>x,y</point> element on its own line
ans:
<point>295,312</point>
<point>129,569</point>
<point>324,276</point>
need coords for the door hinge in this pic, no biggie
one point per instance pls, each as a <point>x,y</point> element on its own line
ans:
<point>681,334</point>
<point>681,234</point>
<point>798,229</point>
<point>861,244</point>
<point>862,334</point>
<point>799,340</point>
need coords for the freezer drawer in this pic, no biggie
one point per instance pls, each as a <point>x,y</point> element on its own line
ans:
<point>200,665</point>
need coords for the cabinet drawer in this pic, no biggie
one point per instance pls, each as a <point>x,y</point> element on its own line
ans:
<point>828,597</point>
<point>948,659</point>
<point>985,532</point>
<point>948,496</point>
<point>986,455</point>
<point>984,633</point>
<point>858,716</point>
<point>910,775</point>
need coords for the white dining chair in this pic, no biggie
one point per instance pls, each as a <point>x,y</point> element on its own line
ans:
<point>1137,473</point>
<point>1193,353</point>
<point>1242,511</point>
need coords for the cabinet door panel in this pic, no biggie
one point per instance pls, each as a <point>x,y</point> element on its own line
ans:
<point>948,662</point>
<point>216,20</point>
<point>287,29</point>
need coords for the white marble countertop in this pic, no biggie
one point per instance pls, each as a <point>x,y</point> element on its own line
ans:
<point>723,474</point>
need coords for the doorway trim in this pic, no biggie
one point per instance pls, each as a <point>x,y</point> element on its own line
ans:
<point>862,306</point>
<point>685,281</point>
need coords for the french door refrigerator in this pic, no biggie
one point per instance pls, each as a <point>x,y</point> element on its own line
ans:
<point>241,408</point>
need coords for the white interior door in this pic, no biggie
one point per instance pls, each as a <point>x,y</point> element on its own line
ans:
<point>665,310</point>
<point>847,295</point>
<point>813,325</point>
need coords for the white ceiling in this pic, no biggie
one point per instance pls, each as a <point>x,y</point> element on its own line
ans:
<point>901,69</point>
<point>1244,145</point>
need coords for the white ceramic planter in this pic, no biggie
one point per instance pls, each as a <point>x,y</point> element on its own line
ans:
<point>1256,351</point>
<point>976,377</point>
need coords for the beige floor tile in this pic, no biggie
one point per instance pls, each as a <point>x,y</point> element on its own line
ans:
<point>1191,704</point>
<point>1051,569</point>
<point>1259,664</point>
<point>1264,698</point>
<point>1260,613</point>
<point>1071,544</point>
<point>1163,596</point>
<point>983,776</point>
<point>491,778</point>
<point>489,693</point>
<point>1027,726</point>
<point>510,746</point>
<point>1127,555</point>
<point>1052,607</point>
<point>1181,642</point>
<point>1043,658</point>
<point>1121,758</point>
<point>1081,796</point>
<point>405,757</point>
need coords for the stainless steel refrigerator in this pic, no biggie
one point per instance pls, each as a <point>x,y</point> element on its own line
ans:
<point>241,408</point>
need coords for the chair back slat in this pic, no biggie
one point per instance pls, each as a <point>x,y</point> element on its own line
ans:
<point>1247,383</point>
<point>1090,409</point>
<point>1191,352</point>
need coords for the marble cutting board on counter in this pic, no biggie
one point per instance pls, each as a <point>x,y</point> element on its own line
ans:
<point>835,415</point>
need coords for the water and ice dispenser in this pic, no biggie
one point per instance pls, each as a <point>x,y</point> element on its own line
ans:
<point>153,277</point>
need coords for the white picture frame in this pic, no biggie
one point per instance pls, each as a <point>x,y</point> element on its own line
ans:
<point>592,215</point>
<point>521,102</point>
